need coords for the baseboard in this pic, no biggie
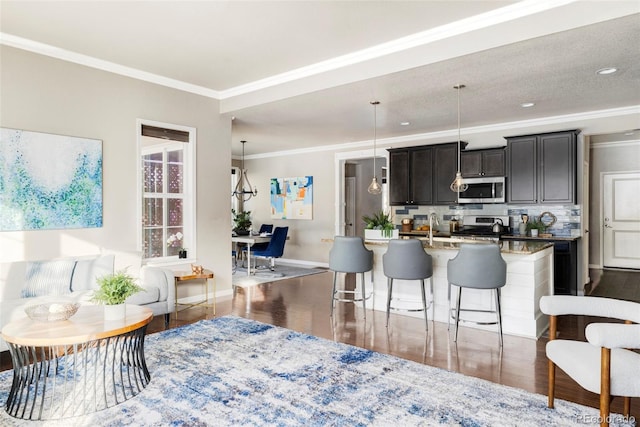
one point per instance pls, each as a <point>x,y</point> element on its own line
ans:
<point>310,264</point>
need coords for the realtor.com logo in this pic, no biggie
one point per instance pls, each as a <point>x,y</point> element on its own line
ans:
<point>611,419</point>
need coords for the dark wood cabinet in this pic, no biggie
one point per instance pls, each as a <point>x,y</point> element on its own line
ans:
<point>479,163</point>
<point>411,176</point>
<point>542,168</point>
<point>421,175</point>
<point>446,166</point>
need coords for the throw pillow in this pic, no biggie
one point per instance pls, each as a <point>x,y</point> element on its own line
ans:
<point>48,278</point>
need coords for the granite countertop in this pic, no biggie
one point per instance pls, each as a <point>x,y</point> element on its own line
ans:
<point>506,247</point>
<point>543,239</point>
<point>424,233</point>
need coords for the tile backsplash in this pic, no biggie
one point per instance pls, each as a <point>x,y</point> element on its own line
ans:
<point>567,223</point>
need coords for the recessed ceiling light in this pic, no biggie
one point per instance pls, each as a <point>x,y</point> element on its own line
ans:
<point>608,70</point>
<point>527,104</point>
<point>405,123</point>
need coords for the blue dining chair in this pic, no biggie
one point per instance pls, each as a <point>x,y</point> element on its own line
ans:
<point>275,247</point>
<point>242,247</point>
<point>264,228</point>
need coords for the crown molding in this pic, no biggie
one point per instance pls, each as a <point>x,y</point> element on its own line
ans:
<point>615,144</point>
<point>89,61</point>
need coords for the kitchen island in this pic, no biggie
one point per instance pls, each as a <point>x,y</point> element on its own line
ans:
<point>529,277</point>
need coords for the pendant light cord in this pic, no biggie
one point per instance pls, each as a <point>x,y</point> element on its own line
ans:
<point>375,132</point>
<point>458,87</point>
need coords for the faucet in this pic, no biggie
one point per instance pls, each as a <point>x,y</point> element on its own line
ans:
<point>433,218</point>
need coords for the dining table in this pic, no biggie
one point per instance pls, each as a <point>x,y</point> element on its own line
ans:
<point>251,240</point>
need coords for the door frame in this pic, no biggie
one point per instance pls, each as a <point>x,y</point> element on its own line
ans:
<point>340,160</point>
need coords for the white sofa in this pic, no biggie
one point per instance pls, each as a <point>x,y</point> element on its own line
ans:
<point>74,278</point>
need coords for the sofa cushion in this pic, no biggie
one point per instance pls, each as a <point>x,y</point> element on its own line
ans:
<point>48,278</point>
<point>89,269</point>
<point>150,295</point>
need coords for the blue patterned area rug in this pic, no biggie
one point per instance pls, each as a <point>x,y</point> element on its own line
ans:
<point>231,371</point>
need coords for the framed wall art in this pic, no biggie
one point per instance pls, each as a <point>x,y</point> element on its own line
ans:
<point>292,198</point>
<point>49,181</point>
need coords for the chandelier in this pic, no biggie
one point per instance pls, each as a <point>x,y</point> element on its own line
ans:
<point>240,191</point>
<point>374,187</point>
<point>458,185</point>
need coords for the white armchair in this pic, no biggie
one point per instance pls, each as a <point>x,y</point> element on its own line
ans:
<point>605,364</point>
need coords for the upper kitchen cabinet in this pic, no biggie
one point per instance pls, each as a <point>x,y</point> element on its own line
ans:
<point>422,175</point>
<point>411,176</point>
<point>479,163</point>
<point>542,168</point>
<point>445,168</point>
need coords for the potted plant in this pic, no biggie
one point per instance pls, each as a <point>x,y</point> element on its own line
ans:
<point>379,226</point>
<point>113,290</point>
<point>175,241</point>
<point>536,227</point>
<point>242,221</point>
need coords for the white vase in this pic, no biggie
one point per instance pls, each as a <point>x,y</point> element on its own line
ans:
<point>534,232</point>
<point>378,235</point>
<point>115,312</point>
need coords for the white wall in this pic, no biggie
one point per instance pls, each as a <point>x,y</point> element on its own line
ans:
<point>48,95</point>
<point>304,235</point>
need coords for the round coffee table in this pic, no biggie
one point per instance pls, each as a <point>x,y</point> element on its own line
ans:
<point>77,366</point>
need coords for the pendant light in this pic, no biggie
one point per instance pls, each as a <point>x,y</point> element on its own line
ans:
<point>458,185</point>
<point>374,187</point>
<point>240,192</point>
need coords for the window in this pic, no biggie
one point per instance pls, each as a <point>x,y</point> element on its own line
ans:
<point>167,208</point>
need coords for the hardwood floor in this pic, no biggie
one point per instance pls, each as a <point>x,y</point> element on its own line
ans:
<point>303,304</point>
<point>615,283</point>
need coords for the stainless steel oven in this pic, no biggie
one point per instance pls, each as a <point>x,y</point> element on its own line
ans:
<point>480,228</point>
<point>484,190</point>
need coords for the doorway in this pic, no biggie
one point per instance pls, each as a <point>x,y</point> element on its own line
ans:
<point>353,173</point>
<point>621,220</point>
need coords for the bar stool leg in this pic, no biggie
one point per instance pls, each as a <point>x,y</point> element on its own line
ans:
<point>449,301</point>
<point>455,339</point>
<point>424,307</point>
<point>433,299</point>
<point>364,300</point>
<point>333,293</point>
<point>499,313</point>
<point>389,289</point>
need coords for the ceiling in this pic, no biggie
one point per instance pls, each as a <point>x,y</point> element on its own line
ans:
<point>296,75</point>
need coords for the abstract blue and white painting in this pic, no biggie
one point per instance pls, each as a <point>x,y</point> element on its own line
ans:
<point>49,181</point>
<point>292,198</point>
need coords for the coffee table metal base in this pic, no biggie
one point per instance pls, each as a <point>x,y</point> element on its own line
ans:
<point>57,382</point>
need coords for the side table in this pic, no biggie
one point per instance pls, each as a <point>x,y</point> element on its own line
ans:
<point>76,366</point>
<point>185,276</point>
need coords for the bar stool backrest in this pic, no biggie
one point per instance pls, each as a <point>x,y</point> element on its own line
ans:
<point>478,266</point>
<point>406,259</point>
<point>349,255</point>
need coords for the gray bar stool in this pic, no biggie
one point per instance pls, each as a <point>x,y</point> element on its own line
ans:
<point>406,259</point>
<point>349,255</point>
<point>477,266</point>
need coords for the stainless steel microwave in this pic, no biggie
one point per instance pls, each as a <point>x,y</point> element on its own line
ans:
<point>483,190</point>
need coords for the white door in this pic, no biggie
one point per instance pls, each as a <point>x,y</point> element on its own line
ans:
<point>350,206</point>
<point>621,225</point>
